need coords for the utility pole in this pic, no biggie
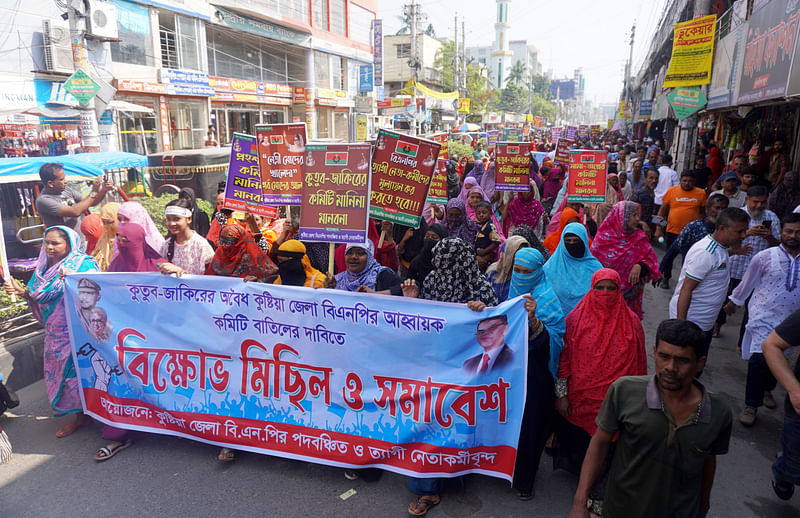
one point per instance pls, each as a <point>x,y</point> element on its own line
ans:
<point>413,17</point>
<point>456,80</point>
<point>463,57</point>
<point>628,71</point>
<point>78,13</point>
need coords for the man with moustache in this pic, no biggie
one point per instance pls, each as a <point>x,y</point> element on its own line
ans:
<point>670,431</point>
<point>771,285</point>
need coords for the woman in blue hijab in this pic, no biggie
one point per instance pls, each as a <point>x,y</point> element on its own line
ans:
<point>545,341</point>
<point>569,271</point>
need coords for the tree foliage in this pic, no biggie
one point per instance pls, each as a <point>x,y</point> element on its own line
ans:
<point>516,74</point>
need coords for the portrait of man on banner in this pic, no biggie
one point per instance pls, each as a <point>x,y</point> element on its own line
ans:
<point>496,355</point>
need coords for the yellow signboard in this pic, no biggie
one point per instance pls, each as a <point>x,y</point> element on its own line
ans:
<point>463,105</point>
<point>361,128</point>
<point>692,53</point>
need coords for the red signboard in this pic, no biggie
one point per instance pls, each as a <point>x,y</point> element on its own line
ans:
<point>512,163</point>
<point>587,176</point>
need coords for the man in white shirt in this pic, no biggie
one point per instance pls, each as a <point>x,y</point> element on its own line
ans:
<point>667,177</point>
<point>772,280</point>
<point>705,274</point>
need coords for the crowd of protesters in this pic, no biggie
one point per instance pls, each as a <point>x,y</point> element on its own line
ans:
<point>641,445</point>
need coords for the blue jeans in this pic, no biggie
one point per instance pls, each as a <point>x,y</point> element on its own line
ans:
<point>786,468</point>
<point>424,486</point>
<point>759,380</point>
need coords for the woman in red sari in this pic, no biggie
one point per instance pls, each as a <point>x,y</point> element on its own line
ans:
<point>624,247</point>
<point>604,340</point>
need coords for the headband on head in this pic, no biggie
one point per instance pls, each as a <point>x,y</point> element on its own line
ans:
<point>174,210</point>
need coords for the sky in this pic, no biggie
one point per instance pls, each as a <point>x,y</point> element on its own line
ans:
<point>569,34</point>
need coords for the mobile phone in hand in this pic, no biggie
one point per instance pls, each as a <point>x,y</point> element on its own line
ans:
<point>767,224</point>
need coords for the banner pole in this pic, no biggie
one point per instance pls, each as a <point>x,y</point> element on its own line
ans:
<point>380,241</point>
<point>331,247</point>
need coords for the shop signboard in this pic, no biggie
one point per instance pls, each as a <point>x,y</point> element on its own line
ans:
<point>726,69</point>
<point>243,186</point>
<point>260,27</point>
<point>377,53</point>
<point>692,53</point>
<point>645,109</point>
<point>769,48</point>
<point>361,128</point>
<point>281,148</point>
<point>686,101</point>
<point>463,104</point>
<point>363,103</point>
<point>365,78</point>
<point>587,176</point>
<point>335,193</point>
<point>402,168</point>
<point>82,87</point>
<point>512,163</point>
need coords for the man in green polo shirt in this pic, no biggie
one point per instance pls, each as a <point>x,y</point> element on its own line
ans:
<point>670,431</point>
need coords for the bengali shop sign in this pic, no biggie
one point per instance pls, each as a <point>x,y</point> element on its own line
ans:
<point>402,168</point>
<point>281,148</point>
<point>323,376</point>
<point>686,101</point>
<point>438,190</point>
<point>512,163</point>
<point>335,193</point>
<point>692,53</point>
<point>587,176</point>
<point>243,186</point>
<point>769,48</point>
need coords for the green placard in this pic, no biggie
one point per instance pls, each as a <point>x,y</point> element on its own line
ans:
<point>685,101</point>
<point>81,86</point>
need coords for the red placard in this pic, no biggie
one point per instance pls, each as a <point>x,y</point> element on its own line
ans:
<point>512,163</point>
<point>587,176</point>
<point>402,168</point>
<point>438,191</point>
<point>563,147</point>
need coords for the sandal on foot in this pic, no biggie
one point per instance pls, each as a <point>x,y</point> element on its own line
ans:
<point>107,452</point>
<point>525,495</point>
<point>226,455</point>
<point>68,430</point>
<point>423,504</point>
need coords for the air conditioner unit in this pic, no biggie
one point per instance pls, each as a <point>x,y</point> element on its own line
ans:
<point>103,19</point>
<point>57,47</point>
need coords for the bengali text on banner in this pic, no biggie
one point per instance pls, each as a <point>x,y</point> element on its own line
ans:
<point>243,186</point>
<point>402,168</point>
<point>325,376</point>
<point>281,149</point>
<point>335,193</point>
<point>587,176</point>
<point>512,163</point>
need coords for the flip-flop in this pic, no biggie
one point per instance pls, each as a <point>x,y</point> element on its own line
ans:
<point>423,504</point>
<point>106,453</point>
<point>226,455</point>
<point>68,430</point>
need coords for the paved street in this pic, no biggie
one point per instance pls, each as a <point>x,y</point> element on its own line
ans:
<point>164,476</point>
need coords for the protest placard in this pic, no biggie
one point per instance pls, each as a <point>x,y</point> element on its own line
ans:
<point>441,138</point>
<point>587,176</point>
<point>571,132</point>
<point>512,134</point>
<point>492,136</point>
<point>281,148</point>
<point>438,190</point>
<point>511,166</point>
<point>563,147</point>
<point>595,130</point>
<point>243,185</point>
<point>402,168</point>
<point>324,376</point>
<point>335,193</point>
<point>555,134</point>
<point>583,130</point>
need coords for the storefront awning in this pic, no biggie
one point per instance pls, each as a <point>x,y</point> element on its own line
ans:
<point>52,113</point>
<point>125,106</point>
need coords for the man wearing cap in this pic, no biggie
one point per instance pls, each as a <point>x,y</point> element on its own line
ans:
<point>730,188</point>
<point>88,295</point>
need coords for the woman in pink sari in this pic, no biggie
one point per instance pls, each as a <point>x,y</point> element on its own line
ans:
<point>525,209</point>
<point>60,254</point>
<point>622,246</point>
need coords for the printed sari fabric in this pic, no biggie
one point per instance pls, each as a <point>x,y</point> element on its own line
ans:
<point>47,291</point>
